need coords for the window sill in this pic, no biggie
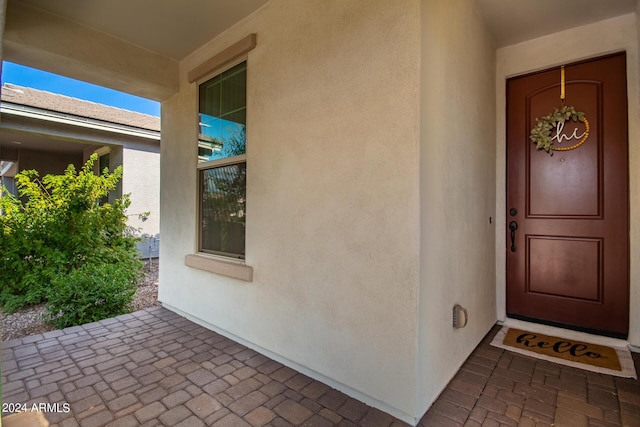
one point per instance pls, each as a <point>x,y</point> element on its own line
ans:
<point>220,266</point>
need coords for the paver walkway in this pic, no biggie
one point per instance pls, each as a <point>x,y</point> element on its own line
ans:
<point>500,388</point>
<point>155,368</point>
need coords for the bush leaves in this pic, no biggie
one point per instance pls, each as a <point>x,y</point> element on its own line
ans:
<point>58,236</point>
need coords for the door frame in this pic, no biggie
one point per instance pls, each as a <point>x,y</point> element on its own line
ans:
<point>590,41</point>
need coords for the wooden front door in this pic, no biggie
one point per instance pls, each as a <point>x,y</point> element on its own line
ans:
<point>568,261</point>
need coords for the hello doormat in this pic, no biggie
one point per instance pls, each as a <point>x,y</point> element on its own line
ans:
<point>605,359</point>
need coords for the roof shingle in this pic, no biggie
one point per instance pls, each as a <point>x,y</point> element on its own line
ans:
<point>44,100</point>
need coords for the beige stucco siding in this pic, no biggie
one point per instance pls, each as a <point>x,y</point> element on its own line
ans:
<point>141,179</point>
<point>332,196</point>
<point>611,35</point>
<point>457,188</point>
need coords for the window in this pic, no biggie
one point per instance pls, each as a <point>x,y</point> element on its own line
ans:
<point>222,163</point>
<point>8,170</point>
<point>9,183</point>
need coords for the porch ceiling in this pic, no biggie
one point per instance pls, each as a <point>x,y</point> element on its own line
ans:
<point>142,41</point>
<point>167,27</point>
<point>174,29</point>
<point>515,21</point>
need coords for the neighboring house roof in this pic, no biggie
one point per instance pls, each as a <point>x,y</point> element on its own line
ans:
<point>56,103</point>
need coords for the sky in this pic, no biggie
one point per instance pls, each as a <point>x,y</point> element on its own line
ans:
<point>30,77</point>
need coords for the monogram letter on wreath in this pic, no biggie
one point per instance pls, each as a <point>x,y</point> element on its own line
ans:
<point>549,129</point>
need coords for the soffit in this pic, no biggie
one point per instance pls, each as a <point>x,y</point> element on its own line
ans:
<point>172,28</point>
<point>514,21</point>
<point>12,142</point>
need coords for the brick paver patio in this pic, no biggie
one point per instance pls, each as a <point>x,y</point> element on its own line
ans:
<point>500,388</point>
<point>155,368</point>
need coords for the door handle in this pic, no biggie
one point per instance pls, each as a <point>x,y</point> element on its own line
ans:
<point>513,226</point>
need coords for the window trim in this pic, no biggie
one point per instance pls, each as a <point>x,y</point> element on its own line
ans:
<point>220,265</point>
<point>229,266</point>
<point>223,60</point>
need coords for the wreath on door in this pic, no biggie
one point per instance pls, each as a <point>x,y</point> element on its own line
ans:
<point>541,133</point>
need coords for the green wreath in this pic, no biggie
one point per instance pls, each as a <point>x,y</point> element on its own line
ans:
<point>541,133</point>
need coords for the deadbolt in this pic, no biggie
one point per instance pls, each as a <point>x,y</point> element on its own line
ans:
<point>513,212</point>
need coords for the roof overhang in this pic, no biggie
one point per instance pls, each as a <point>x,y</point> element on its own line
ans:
<point>134,46</point>
<point>24,127</point>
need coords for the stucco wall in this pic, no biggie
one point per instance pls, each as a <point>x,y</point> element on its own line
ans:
<point>457,160</point>
<point>611,35</point>
<point>332,196</point>
<point>141,179</point>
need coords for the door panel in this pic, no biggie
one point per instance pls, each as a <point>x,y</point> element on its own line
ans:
<point>568,267</point>
<point>568,188</point>
<point>570,264</point>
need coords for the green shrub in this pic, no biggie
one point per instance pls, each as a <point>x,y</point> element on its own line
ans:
<point>90,293</point>
<point>60,228</point>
